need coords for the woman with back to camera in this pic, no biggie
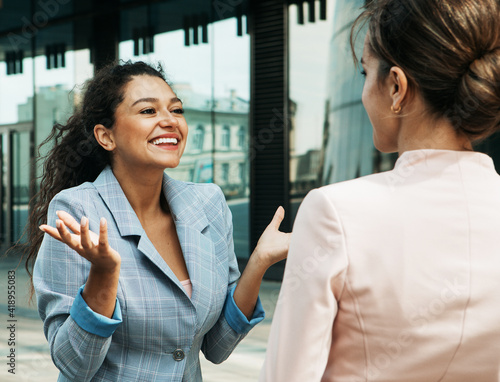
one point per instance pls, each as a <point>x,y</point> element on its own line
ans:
<point>394,276</point>
<point>157,284</point>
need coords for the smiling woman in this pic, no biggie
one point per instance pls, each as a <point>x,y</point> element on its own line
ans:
<point>150,114</point>
<point>158,283</point>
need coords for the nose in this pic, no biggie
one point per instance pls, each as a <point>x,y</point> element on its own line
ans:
<point>168,119</point>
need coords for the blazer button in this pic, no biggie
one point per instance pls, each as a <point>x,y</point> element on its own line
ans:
<point>178,354</point>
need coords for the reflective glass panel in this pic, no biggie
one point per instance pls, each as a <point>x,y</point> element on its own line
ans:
<point>59,79</point>
<point>4,239</point>
<point>21,179</point>
<point>331,135</point>
<point>16,86</point>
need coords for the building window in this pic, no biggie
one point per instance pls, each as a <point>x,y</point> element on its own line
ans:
<point>242,172</point>
<point>198,137</point>
<point>241,136</point>
<point>225,172</point>
<point>225,137</point>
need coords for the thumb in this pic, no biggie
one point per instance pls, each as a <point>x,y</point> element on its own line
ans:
<point>278,218</point>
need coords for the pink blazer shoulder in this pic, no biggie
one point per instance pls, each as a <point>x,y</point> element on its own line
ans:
<point>394,277</point>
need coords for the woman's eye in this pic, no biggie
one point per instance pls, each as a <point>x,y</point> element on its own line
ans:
<point>148,111</point>
<point>178,111</point>
<point>363,73</point>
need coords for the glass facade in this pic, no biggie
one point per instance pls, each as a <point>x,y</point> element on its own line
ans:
<point>16,127</point>
<point>207,64</point>
<point>330,134</point>
<point>208,51</point>
<point>35,93</point>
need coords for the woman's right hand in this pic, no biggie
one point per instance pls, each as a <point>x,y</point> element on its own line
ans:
<point>95,248</point>
<point>102,283</point>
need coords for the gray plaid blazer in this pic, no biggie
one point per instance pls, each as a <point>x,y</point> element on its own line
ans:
<point>158,318</point>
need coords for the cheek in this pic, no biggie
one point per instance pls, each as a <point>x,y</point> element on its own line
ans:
<point>183,127</point>
<point>367,97</point>
<point>369,101</point>
<point>363,96</point>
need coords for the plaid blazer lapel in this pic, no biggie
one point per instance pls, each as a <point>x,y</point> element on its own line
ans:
<point>197,246</point>
<point>126,220</point>
<point>112,194</point>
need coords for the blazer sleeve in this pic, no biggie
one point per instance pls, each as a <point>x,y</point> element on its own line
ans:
<point>301,331</point>
<point>78,338</point>
<point>232,325</point>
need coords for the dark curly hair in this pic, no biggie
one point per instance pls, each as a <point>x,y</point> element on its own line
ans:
<point>76,157</point>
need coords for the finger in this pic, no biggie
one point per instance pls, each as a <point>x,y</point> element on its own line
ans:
<point>69,221</point>
<point>64,233</point>
<point>51,231</point>
<point>103,234</point>
<point>278,217</point>
<point>84,233</point>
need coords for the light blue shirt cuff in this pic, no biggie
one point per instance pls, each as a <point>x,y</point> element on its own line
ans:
<point>93,322</point>
<point>236,319</point>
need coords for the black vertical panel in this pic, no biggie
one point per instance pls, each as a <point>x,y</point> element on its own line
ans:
<point>322,9</point>
<point>311,10</point>
<point>195,29</point>
<point>105,32</point>
<point>269,157</point>
<point>204,28</point>
<point>187,28</point>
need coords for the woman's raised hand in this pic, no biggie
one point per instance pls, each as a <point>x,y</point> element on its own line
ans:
<point>271,248</point>
<point>273,244</point>
<point>95,248</point>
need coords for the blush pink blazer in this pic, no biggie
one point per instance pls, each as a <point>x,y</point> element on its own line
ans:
<point>394,277</point>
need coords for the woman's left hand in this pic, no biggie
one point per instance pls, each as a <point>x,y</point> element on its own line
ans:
<point>271,248</point>
<point>273,244</point>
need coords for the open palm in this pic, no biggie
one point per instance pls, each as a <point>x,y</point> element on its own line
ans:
<point>95,248</point>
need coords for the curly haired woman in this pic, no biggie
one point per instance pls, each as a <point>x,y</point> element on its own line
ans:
<point>139,273</point>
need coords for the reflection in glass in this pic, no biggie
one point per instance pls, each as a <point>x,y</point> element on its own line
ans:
<point>198,137</point>
<point>58,91</point>
<point>15,90</point>
<point>225,137</point>
<point>58,87</point>
<point>242,133</point>
<point>330,134</point>
<point>21,180</point>
<point>4,239</point>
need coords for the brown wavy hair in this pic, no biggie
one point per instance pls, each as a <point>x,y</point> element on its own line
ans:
<point>449,51</point>
<point>76,157</point>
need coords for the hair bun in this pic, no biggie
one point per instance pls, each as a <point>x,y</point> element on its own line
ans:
<point>477,102</point>
<point>449,51</point>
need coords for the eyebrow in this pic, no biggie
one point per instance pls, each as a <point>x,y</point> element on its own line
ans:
<point>153,100</point>
<point>362,61</point>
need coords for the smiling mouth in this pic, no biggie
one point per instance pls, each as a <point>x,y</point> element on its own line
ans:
<point>161,141</point>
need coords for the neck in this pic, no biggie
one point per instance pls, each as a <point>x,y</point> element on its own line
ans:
<point>427,133</point>
<point>142,189</point>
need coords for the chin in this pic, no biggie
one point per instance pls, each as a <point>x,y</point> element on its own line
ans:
<point>171,165</point>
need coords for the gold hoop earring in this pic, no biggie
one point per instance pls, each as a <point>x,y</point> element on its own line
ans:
<point>396,111</point>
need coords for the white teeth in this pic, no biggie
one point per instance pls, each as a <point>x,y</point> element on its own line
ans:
<point>159,141</point>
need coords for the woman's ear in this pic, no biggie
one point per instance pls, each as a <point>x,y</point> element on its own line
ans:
<point>104,137</point>
<point>399,91</point>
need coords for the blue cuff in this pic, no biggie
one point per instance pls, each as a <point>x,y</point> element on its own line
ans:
<point>236,319</point>
<point>93,322</point>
